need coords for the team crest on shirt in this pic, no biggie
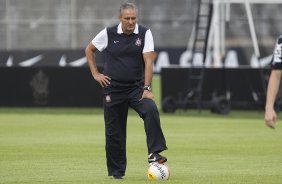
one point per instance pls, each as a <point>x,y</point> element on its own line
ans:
<point>108,98</point>
<point>138,42</point>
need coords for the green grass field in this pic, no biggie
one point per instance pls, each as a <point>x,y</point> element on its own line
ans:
<point>67,146</point>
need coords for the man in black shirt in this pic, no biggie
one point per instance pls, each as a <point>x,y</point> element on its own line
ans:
<point>126,80</point>
<point>273,84</point>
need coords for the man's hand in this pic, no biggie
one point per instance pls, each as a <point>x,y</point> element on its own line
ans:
<point>270,118</point>
<point>147,94</point>
<point>102,79</point>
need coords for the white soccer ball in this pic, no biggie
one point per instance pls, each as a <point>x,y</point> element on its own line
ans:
<point>158,171</point>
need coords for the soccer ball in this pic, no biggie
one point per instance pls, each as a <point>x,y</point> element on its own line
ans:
<point>158,171</point>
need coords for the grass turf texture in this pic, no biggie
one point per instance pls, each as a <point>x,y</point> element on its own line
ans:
<point>67,146</point>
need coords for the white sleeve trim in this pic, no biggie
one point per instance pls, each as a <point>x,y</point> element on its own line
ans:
<point>149,42</point>
<point>101,40</point>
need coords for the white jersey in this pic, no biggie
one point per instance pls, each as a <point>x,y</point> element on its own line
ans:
<point>277,55</point>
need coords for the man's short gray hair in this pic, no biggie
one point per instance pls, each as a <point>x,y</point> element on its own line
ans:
<point>127,5</point>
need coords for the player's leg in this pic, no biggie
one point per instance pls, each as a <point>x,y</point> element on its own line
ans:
<point>115,115</point>
<point>148,111</point>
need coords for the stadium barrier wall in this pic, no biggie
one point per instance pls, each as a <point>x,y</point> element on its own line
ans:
<point>246,87</point>
<point>235,58</point>
<point>62,77</point>
<point>62,87</point>
<point>49,87</point>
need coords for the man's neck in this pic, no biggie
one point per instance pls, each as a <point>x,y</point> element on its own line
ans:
<point>127,32</point>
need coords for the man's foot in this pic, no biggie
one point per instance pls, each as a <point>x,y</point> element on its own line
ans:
<point>155,157</point>
<point>117,177</point>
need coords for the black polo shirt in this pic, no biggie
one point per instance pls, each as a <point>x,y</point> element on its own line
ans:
<point>124,53</point>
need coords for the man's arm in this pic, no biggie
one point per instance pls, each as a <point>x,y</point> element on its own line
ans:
<point>89,52</point>
<point>149,58</point>
<point>272,90</point>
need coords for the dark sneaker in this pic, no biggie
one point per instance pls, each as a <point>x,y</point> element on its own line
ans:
<point>117,177</point>
<point>155,157</point>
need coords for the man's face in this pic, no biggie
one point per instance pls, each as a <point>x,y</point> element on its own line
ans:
<point>128,19</point>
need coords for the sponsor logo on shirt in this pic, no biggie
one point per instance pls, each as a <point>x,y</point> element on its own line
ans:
<point>277,55</point>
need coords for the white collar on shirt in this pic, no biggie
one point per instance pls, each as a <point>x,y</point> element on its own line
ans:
<point>119,29</point>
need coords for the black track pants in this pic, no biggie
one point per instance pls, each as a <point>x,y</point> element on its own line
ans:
<point>117,99</point>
